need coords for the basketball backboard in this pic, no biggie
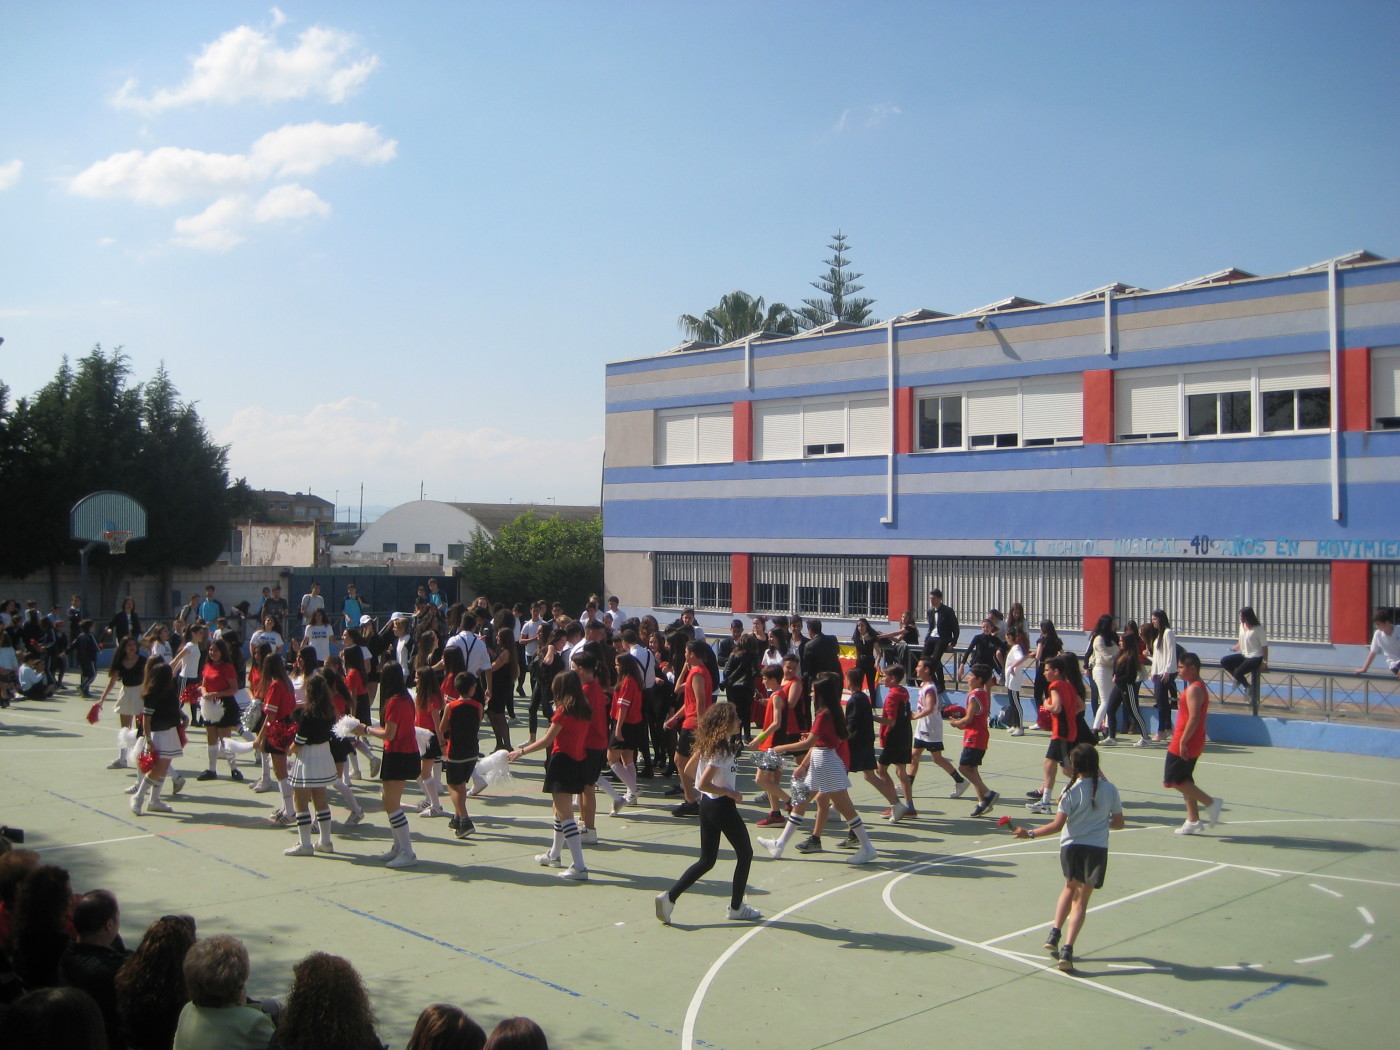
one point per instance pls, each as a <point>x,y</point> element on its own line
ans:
<point>99,514</point>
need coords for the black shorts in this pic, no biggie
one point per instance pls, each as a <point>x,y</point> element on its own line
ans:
<point>685,742</point>
<point>633,735</point>
<point>434,748</point>
<point>564,775</point>
<point>1178,770</point>
<point>1086,864</point>
<point>400,765</point>
<point>232,717</point>
<point>593,763</point>
<point>458,772</point>
<point>779,739</point>
<point>896,753</point>
<point>862,759</point>
<point>972,756</point>
<point>340,749</point>
<point>1059,750</point>
<point>928,745</point>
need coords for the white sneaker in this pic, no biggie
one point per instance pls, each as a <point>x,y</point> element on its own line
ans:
<point>476,789</point>
<point>548,860</point>
<point>324,847</point>
<point>574,874</point>
<point>282,819</point>
<point>138,804</point>
<point>899,812</point>
<point>119,763</point>
<point>157,805</point>
<point>1038,807</point>
<point>744,911</point>
<point>299,850</point>
<point>960,789</point>
<point>384,858</point>
<point>631,798</point>
<point>177,785</point>
<point>263,784</point>
<point>664,906</point>
<point>374,768</point>
<point>863,856</point>
<point>618,807</point>
<point>353,819</point>
<point>404,860</point>
<point>1015,731</point>
<point>1190,827</point>
<point>433,811</point>
<point>135,786</point>
<point>1212,816</point>
<point>774,848</point>
<point>1142,742</point>
<point>589,836</point>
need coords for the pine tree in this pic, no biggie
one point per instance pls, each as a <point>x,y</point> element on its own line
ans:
<point>838,284</point>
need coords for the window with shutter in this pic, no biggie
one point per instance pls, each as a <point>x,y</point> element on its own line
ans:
<point>715,436</point>
<point>1385,388</point>
<point>778,431</point>
<point>1052,411</point>
<point>1148,407</point>
<point>869,427</point>
<point>993,418</point>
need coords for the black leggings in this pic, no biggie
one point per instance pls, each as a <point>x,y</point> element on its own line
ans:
<point>541,704</point>
<point>719,816</point>
<point>1164,692</point>
<point>869,674</point>
<point>1119,696</point>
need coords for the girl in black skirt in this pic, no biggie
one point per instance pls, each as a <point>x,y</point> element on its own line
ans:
<point>564,773</point>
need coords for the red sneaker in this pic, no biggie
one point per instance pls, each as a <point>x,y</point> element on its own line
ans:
<point>773,820</point>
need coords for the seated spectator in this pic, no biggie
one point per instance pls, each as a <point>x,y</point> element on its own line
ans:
<point>42,928</point>
<point>151,985</point>
<point>217,1016</point>
<point>517,1033</point>
<point>92,961</point>
<point>34,683</point>
<point>327,1008</point>
<point>54,1019</point>
<point>443,1027</point>
<point>15,865</point>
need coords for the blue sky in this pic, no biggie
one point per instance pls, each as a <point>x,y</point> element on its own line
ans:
<point>394,244</point>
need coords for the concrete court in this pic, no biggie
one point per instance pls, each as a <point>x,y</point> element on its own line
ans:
<point>1277,929</point>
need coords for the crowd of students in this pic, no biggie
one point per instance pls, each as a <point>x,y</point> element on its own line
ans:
<point>69,982</point>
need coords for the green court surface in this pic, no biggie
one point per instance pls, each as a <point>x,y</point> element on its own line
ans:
<point>1275,929</point>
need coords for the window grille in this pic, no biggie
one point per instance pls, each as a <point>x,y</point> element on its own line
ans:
<point>1049,589</point>
<point>812,586</point>
<point>698,581</point>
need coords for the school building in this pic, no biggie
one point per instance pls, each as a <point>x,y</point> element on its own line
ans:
<point>1233,440</point>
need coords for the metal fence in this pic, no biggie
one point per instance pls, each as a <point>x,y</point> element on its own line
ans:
<point>1049,588</point>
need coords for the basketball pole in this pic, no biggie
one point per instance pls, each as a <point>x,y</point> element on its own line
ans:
<point>83,553</point>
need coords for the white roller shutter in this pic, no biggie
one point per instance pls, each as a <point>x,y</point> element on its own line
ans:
<point>1385,383</point>
<point>824,424</point>
<point>870,427</point>
<point>675,438</point>
<point>993,411</point>
<point>778,431</point>
<point>1299,373</point>
<point>715,439</point>
<point>1146,405</point>
<point>1052,409</point>
<point>1223,382</point>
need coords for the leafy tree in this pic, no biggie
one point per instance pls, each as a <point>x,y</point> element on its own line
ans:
<point>839,286</point>
<point>534,557</point>
<point>89,428</point>
<point>737,315</point>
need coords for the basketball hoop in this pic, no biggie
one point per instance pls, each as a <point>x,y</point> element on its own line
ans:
<point>116,540</point>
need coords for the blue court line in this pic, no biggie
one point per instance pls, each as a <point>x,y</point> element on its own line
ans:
<point>1259,995</point>
<point>500,965</point>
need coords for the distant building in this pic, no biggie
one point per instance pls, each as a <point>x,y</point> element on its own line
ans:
<point>299,508</point>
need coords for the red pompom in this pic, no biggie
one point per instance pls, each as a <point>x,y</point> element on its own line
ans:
<point>146,761</point>
<point>94,713</point>
<point>1003,822</point>
<point>954,711</point>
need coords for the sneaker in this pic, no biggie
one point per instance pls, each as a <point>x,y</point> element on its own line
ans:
<point>433,811</point>
<point>235,774</point>
<point>773,820</point>
<point>263,784</point>
<point>117,763</point>
<point>1038,793</point>
<point>745,912</point>
<point>1190,827</point>
<point>1066,958</point>
<point>177,784</point>
<point>687,809</point>
<point>811,844</point>
<point>1039,807</point>
<point>761,799</point>
<point>618,807</point>
<point>476,789</point>
<point>1015,731</point>
<point>850,842</point>
<point>960,788</point>
<point>384,858</point>
<point>1142,742</point>
<point>631,798</point>
<point>157,805</point>
<point>771,845</point>
<point>1052,943</point>
<point>299,850</point>
<point>664,906</point>
<point>862,856</point>
<point>887,812</point>
<point>281,818</point>
<point>899,811</point>
<point>676,789</point>
<point>1212,816</point>
<point>589,836</point>
<point>323,847</point>
<point>404,860</point>
<point>548,860</point>
<point>573,873</point>
<point>1109,741</point>
<point>135,785</point>
<point>452,822</point>
<point>353,819</point>
<point>986,804</point>
<point>138,804</point>
<point>465,828</point>
<point>374,764</point>
<point>912,813</point>
<point>208,774</point>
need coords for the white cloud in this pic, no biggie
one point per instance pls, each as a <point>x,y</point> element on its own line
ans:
<point>219,227</point>
<point>853,117</point>
<point>169,174</point>
<point>249,64</point>
<point>106,242</point>
<point>272,448</point>
<point>9,173</point>
<point>290,201</point>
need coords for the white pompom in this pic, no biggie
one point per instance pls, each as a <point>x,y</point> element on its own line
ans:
<point>140,748</point>
<point>424,737</point>
<point>126,737</point>
<point>238,745</point>
<point>212,708</point>
<point>345,728</point>
<point>495,769</point>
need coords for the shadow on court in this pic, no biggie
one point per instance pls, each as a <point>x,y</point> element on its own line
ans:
<point>1183,972</point>
<point>1295,842</point>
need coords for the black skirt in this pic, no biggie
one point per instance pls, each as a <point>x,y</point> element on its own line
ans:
<point>564,775</point>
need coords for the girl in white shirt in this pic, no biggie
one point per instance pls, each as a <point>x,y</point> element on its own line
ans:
<point>1251,652</point>
<point>1163,672</point>
<point>1018,658</point>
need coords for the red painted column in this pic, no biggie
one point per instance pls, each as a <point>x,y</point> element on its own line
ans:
<point>1098,408</point>
<point>1098,582</point>
<point>1351,602</point>
<point>743,431</point>
<point>901,581</point>
<point>1354,387</point>
<point>903,422</point>
<point>740,580</point>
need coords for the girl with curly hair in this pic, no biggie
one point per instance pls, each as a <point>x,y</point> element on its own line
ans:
<point>151,984</point>
<point>327,1008</point>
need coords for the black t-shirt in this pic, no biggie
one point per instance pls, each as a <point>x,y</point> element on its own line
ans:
<point>463,730</point>
<point>163,709</point>
<point>312,730</point>
<point>134,675</point>
<point>860,722</point>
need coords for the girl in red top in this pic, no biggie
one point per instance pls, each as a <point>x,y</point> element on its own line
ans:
<point>357,681</point>
<point>427,705</point>
<point>975,734</point>
<point>825,769</point>
<point>341,750</point>
<point>773,715</point>
<point>219,681</point>
<point>564,773</point>
<point>401,762</point>
<point>278,730</point>
<point>628,728</point>
<point>1065,704</point>
<point>696,689</point>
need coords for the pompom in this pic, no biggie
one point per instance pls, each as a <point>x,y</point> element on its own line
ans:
<point>145,757</point>
<point>800,790</point>
<point>94,713</point>
<point>212,708</point>
<point>345,728</point>
<point>126,737</point>
<point>954,711</point>
<point>495,769</point>
<point>1003,822</point>
<point>424,738</point>
<point>238,746</point>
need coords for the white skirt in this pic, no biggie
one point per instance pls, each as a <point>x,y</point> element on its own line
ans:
<point>166,743</point>
<point>129,701</point>
<point>827,773</point>
<point>312,766</point>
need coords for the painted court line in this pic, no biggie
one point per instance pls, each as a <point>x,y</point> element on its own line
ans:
<point>1120,900</point>
<point>1361,941</point>
<point>1312,959</point>
<point>1324,889</point>
<point>1370,920</point>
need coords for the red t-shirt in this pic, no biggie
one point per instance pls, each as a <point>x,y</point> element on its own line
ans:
<point>279,701</point>
<point>355,682</point>
<point>427,717</point>
<point>627,701</point>
<point>1063,725</point>
<point>598,724</point>
<point>975,733</point>
<point>400,711</point>
<point>1193,746</point>
<point>894,699</point>
<point>573,735</point>
<point>218,677</point>
<point>693,708</point>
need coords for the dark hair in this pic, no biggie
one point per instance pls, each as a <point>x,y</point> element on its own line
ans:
<point>318,699</point>
<point>1249,617</point>
<point>1068,666</point>
<point>391,679</point>
<point>326,1007</point>
<point>1104,629</point>
<point>1084,764</point>
<point>896,672</point>
<point>628,667</point>
<point>982,672</point>
<point>826,691</point>
<point>159,679</point>
<point>429,688</point>
<point>41,912</point>
<point>1165,625</point>
<point>56,1017</point>
<point>517,1033</point>
<point>464,682</point>
<point>567,690</point>
<point>854,677</point>
<point>1383,615</point>
<point>94,910</point>
<point>443,1027</point>
<point>1190,659</point>
<point>585,661</point>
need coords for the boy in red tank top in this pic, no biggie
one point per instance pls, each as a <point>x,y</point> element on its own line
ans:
<point>1188,741</point>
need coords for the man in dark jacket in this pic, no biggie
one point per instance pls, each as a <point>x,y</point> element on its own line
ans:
<point>942,634</point>
<point>92,961</point>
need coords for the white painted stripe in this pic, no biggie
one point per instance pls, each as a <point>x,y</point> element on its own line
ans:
<point>1324,889</point>
<point>1312,959</point>
<point>99,842</point>
<point>1361,941</point>
<point>1366,915</point>
<point>1139,969</point>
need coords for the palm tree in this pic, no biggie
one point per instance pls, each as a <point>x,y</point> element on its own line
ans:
<point>841,303</point>
<point>738,314</point>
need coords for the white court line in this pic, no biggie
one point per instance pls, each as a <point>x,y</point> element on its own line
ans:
<point>1262,871</point>
<point>1120,900</point>
<point>1370,921</point>
<point>1055,972</point>
<point>100,842</point>
<point>1324,889</point>
<point>1312,959</point>
<point>41,751</point>
<point>1139,969</point>
<point>1361,941</point>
